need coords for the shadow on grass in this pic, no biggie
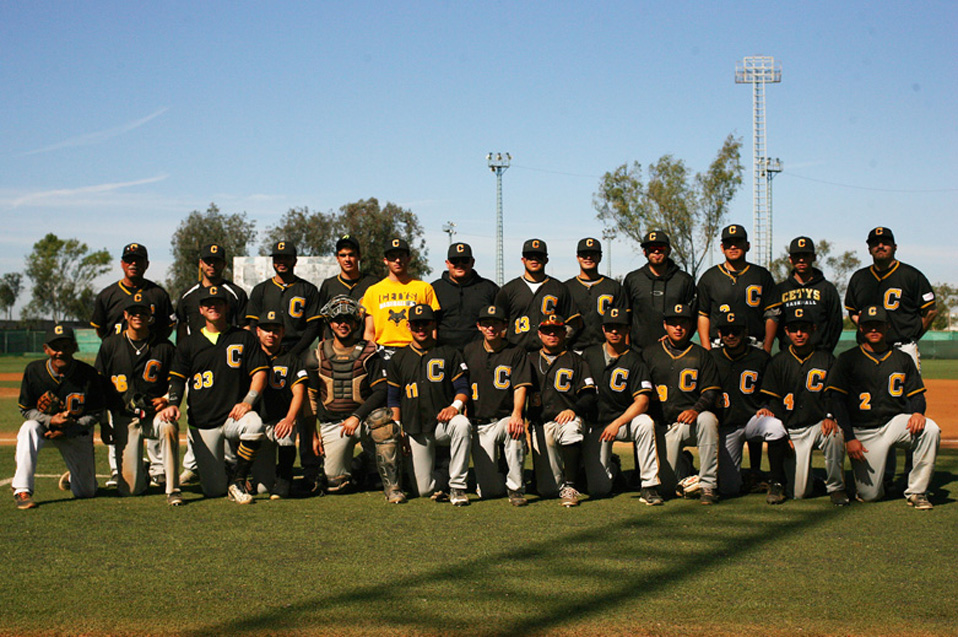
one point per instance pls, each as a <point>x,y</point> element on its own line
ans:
<point>551,583</point>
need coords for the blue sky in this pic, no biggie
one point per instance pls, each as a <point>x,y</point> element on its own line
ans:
<point>118,119</point>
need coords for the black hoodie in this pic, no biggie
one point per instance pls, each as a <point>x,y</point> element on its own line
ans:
<point>461,303</point>
<point>649,294</point>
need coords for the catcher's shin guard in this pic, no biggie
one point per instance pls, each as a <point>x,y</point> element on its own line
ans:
<point>386,433</point>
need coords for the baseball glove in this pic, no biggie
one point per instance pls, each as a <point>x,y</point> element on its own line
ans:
<point>49,403</point>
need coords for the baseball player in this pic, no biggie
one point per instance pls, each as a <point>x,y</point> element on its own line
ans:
<point>108,319</point>
<point>736,283</point>
<point>350,281</point>
<point>135,366</point>
<point>347,382</point>
<point>462,293</point>
<point>794,385</point>
<point>529,298</point>
<point>807,288</point>
<point>428,385</point>
<point>741,369</point>
<point>563,398</point>
<point>227,371</point>
<point>687,385</point>
<point>879,402</point>
<point>624,388</point>
<point>389,300</point>
<point>658,284</point>
<point>500,378</point>
<point>283,400</point>
<point>593,295</point>
<point>60,398</point>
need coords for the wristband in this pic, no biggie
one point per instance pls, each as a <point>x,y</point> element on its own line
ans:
<point>251,397</point>
<point>457,404</point>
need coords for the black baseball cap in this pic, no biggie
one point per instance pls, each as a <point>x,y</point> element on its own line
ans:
<point>796,314</point>
<point>731,320</point>
<point>873,314</point>
<point>656,236</point>
<point>271,317</point>
<point>215,292</point>
<point>493,312</point>
<point>135,250</point>
<point>535,246</point>
<point>213,251</point>
<point>396,244</point>
<point>552,320</point>
<point>420,313</point>
<point>880,234</point>
<point>801,245</point>
<point>58,332</point>
<point>283,249</point>
<point>347,241</point>
<point>616,316</point>
<point>459,251</point>
<point>734,232</point>
<point>679,310</point>
<point>136,301</point>
<point>588,245</point>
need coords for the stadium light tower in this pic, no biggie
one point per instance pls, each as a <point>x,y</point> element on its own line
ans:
<point>759,70</point>
<point>498,163</point>
<point>450,229</point>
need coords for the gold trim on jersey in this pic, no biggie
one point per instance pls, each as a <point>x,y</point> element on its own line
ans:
<point>675,358</point>
<point>887,273</point>
<point>876,360</point>
<point>737,274</point>
<point>791,350</point>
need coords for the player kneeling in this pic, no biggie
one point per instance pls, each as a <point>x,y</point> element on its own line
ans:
<point>428,386</point>
<point>879,401</point>
<point>500,377</point>
<point>624,387</point>
<point>226,370</point>
<point>797,416</point>
<point>61,399</point>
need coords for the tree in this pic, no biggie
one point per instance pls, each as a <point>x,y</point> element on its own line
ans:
<point>373,226</point>
<point>691,213</point>
<point>9,292</point>
<point>311,232</point>
<point>62,273</point>
<point>946,297</point>
<point>837,268</point>
<point>234,232</point>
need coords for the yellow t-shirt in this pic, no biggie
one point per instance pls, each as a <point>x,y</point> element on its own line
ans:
<point>388,302</point>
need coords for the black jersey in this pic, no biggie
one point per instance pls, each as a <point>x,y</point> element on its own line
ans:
<point>337,285</point>
<point>344,385</point>
<point>819,299</point>
<point>618,380</point>
<point>526,308</point>
<point>299,301</point>
<point>188,317</point>
<point>592,299</point>
<point>741,379</point>
<point>558,382</point>
<point>460,303</point>
<point>425,380</point>
<point>112,300</point>
<point>218,374</point>
<point>494,377</point>
<point>134,374</point>
<point>797,387</point>
<point>750,291</point>
<point>79,389</point>
<point>874,387</point>
<point>902,290</point>
<point>285,371</point>
<point>648,295</point>
<point>679,379</point>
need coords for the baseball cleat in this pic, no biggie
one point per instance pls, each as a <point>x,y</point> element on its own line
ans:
<point>64,483</point>
<point>396,497</point>
<point>839,498</point>
<point>517,498</point>
<point>688,487</point>
<point>568,497</point>
<point>280,490</point>
<point>188,476</point>
<point>439,496</point>
<point>114,477</point>
<point>651,497</point>
<point>708,496</point>
<point>920,502</point>
<point>458,497</point>
<point>237,494</point>
<point>24,500</point>
<point>776,493</point>
<point>158,480</point>
<point>339,484</point>
<point>175,498</point>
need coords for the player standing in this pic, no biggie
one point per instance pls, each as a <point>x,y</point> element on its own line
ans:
<point>687,384</point>
<point>624,387</point>
<point>226,370</point>
<point>212,263</point>
<point>657,285</point>
<point>61,399</point>
<point>593,295</point>
<point>880,404</point>
<point>351,281</point>
<point>461,294</point>
<point>500,378</point>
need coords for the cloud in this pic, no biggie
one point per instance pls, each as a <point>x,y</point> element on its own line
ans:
<point>66,193</point>
<point>99,136</point>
